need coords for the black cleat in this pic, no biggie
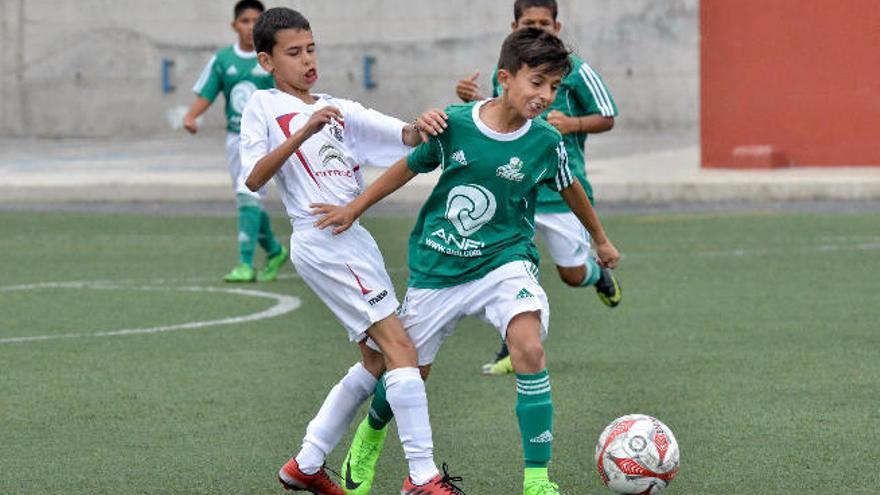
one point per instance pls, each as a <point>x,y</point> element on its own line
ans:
<point>608,288</point>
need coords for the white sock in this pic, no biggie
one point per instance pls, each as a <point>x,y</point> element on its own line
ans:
<point>334,417</point>
<point>405,392</point>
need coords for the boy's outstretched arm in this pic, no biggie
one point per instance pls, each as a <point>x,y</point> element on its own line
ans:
<point>430,123</point>
<point>267,166</point>
<point>198,107</point>
<point>343,216</point>
<point>576,199</point>
<point>587,124</point>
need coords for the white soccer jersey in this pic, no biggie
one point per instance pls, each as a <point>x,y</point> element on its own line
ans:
<point>327,167</point>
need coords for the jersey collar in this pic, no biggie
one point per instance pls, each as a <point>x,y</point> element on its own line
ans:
<point>497,136</point>
<point>241,53</point>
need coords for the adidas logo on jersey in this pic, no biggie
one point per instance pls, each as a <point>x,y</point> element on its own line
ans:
<point>545,437</point>
<point>231,71</point>
<point>524,293</point>
<point>459,157</point>
<point>511,171</point>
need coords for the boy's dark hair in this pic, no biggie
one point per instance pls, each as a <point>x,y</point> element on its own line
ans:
<point>274,20</point>
<point>243,5</point>
<point>521,5</point>
<point>535,48</point>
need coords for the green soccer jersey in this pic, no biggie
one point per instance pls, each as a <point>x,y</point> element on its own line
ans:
<point>237,74</point>
<point>480,214</point>
<point>582,92</point>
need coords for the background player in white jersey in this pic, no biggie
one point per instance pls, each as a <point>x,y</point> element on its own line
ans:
<point>471,251</point>
<point>583,106</point>
<point>314,145</point>
<point>234,71</point>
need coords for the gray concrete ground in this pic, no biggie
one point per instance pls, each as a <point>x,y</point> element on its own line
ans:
<point>175,172</point>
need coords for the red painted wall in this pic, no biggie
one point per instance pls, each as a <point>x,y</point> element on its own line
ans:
<point>790,82</point>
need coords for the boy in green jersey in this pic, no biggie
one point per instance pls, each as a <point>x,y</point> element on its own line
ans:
<point>471,251</point>
<point>235,72</point>
<point>583,106</point>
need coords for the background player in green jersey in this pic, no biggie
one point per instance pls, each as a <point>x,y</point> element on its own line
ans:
<point>471,251</point>
<point>583,106</point>
<point>234,71</point>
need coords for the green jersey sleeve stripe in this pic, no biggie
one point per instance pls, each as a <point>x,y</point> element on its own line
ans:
<point>563,174</point>
<point>598,89</point>
<point>203,77</point>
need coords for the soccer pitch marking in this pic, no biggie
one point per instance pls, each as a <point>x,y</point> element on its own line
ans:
<point>283,304</point>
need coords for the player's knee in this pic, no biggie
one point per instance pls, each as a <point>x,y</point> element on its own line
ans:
<point>572,276</point>
<point>528,356</point>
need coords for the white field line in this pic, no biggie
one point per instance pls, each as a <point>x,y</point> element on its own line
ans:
<point>283,304</point>
<point>153,281</point>
<point>818,248</point>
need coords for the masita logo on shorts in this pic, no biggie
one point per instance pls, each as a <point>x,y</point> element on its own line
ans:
<point>378,298</point>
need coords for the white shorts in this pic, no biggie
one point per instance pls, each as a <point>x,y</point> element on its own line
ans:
<point>430,315</point>
<point>348,274</point>
<point>233,161</point>
<point>566,239</point>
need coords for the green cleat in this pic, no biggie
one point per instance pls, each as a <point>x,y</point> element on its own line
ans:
<point>608,288</point>
<point>273,263</point>
<point>540,487</point>
<point>501,367</point>
<point>536,482</point>
<point>241,273</point>
<point>359,466</point>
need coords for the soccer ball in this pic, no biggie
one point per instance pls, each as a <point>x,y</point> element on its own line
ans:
<point>637,454</point>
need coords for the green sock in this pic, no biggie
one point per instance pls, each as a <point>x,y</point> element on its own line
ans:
<point>380,410</point>
<point>248,232</point>
<point>267,237</point>
<point>534,410</point>
<point>593,272</point>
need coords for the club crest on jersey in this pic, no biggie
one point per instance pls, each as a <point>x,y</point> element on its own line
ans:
<point>336,128</point>
<point>511,171</point>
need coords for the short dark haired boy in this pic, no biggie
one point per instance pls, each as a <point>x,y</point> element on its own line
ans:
<point>583,106</point>
<point>471,251</point>
<point>314,146</point>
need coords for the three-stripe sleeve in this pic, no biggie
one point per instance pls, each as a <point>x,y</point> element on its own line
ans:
<point>598,99</point>
<point>563,177</point>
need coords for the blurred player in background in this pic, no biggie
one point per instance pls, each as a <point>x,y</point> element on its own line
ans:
<point>583,106</point>
<point>234,71</point>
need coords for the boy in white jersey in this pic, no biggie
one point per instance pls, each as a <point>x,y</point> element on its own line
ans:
<point>471,250</point>
<point>583,106</point>
<point>234,71</point>
<point>314,145</point>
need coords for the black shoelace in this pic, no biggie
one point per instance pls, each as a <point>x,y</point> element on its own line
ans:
<point>447,481</point>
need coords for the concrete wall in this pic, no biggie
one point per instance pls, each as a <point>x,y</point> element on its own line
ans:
<point>93,67</point>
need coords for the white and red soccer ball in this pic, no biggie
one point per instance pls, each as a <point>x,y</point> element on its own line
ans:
<point>637,454</point>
